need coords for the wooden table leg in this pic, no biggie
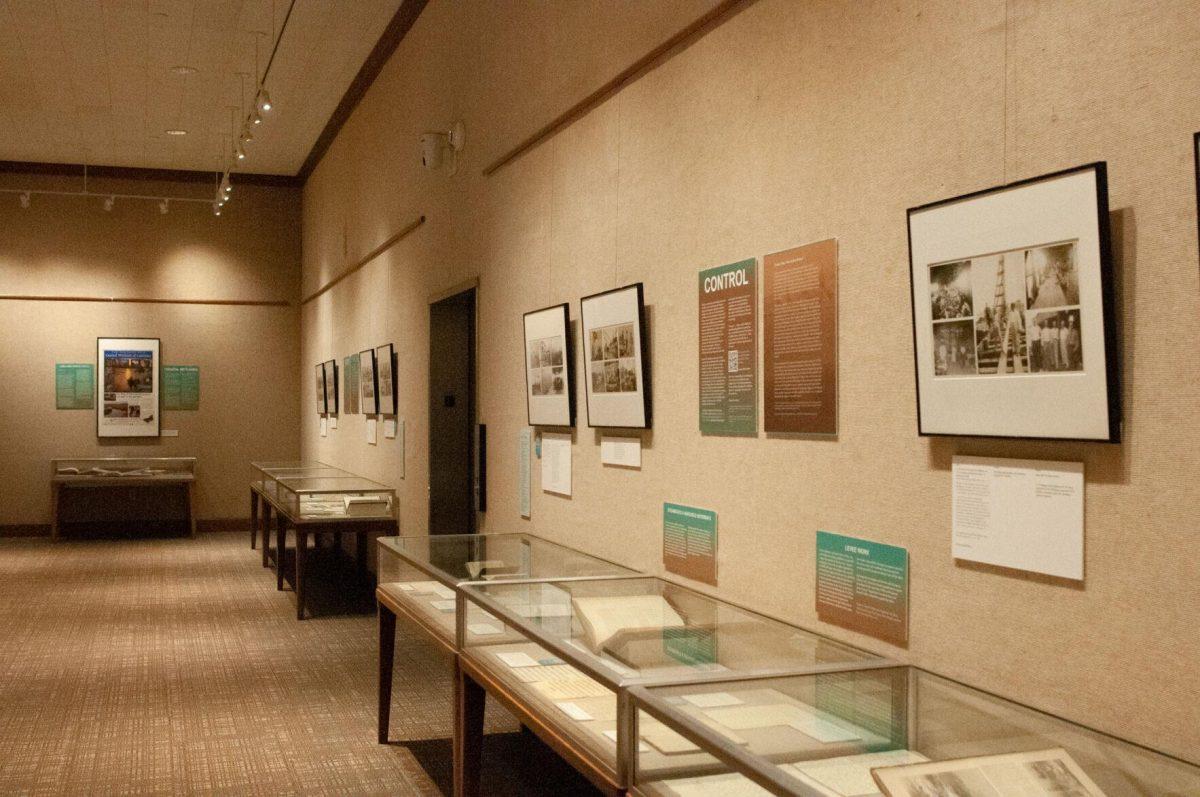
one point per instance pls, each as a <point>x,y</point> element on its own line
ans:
<point>55,492</point>
<point>469,701</point>
<point>301,536</point>
<point>253,518</point>
<point>280,548</point>
<point>265,521</point>
<point>191,508</point>
<point>360,553</point>
<point>387,658</point>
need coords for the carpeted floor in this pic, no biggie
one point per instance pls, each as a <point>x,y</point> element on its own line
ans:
<point>174,666</point>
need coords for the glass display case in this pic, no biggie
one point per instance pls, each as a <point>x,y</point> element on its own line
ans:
<point>83,469</point>
<point>898,731</point>
<point>328,495</point>
<point>417,574</point>
<point>566,650</point>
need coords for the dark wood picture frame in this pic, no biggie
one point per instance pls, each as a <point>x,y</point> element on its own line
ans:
<point>331,387</point>
<point>1112,357</point>
<point>569,361</point>
<point>644,355</point>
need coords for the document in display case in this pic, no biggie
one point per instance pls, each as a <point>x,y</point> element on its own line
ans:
<point>566,650</point>
<point>894,731</point>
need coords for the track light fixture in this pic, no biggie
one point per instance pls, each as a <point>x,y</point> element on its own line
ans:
<point>108,202</point>
<point>240,152</point>
<point>216,208</point>
<point>164,206</point>
<point>256,117</point>
<point>25,200</point>
<point>264,101</point>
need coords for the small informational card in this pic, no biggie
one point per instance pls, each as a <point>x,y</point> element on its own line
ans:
<point>389,428</point>
<point>573,711</point>
<point>484,629</point>
<point>324,426</point>
<point>518,659</point>
<point>712,700</point>
<point>863,586</point>
<point>556,463</point>
<point>690,542</point>
<point>1019,513</point>
<point>372,431</point>
<point>624,452</point>
<point>333,421</point>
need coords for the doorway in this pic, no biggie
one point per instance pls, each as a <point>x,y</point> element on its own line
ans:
<point>452,414</point>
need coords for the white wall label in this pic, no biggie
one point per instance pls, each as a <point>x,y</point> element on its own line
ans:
<point>623,451</point>
<point>1018,513</point>
<point>324,426</point>
<point>556,463</point>
<point>372,431</point>
<point>524,444</point>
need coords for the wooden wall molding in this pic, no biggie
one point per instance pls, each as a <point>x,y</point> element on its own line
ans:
<point>374,253</point>
<point>11,297</point>
<point>716,16</point>
<point>389,40</point>
<point>147,175</point>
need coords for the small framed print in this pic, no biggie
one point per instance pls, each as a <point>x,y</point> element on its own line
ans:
<point>127,376</point>
<point>1014,330</point>
<point>385,365</point>
<point>549,366</point>
<point>331,387</point>
<point>367,383</point>
<point>615,358</point>
<point>322,391</point>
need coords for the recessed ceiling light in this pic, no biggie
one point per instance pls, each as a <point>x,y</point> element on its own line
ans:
<point>176,132</point>
<point>183,69</point>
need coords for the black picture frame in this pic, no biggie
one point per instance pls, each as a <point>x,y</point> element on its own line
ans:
<point>99,386</point>
<point>569,359</point>
<point>331,387</point>
<point>387,353</point>
<point>367,356</point>
<point>1107,292</point>
<point>1196,162</point>
<point>643,351</point>
<point>322,384</point>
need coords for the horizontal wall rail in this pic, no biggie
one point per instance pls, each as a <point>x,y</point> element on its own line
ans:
<point>374,253</point>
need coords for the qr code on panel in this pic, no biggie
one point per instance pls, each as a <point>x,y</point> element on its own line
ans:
<point>733,361</point>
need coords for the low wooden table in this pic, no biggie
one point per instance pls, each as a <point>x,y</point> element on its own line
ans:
<point>110,472</point>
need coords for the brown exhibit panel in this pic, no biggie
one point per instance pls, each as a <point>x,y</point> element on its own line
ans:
<point>800,339</point>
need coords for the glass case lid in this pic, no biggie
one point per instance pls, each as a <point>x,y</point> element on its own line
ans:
<point>306,485</point>
<point>456,558</point>
<point>281,474</point>
<point>647,630</point>
<point>286,464</point>
<point>855,731</point>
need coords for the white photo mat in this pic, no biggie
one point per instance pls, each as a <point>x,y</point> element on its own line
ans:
<point>976,373</point>
<point>615,369</point>
<point>385,378</point>
<point>549,367</point>
<point>127,384</point>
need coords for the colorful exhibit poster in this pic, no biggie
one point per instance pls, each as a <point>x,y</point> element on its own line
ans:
<point>74,386</point>
<point>729,349</point>
<point>180,387</point>
<point>129,385</point>
<point>690,542</point>
<point>800,339</point>
<point>863,586</point>
<point>350,376</point>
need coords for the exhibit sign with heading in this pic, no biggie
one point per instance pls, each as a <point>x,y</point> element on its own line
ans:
<point>128,382</point>
<point>74,386</point>
<point>800,368</point>
<point>690,542</point>
<point>863,586</point>
<point>729,349</point>
<point>181,387</point>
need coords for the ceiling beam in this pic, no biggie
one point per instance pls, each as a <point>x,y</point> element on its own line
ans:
<point>389,40</point>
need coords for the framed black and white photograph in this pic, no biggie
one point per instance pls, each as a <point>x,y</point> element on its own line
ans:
<point>367,383</point>
<point>1013,311</point>
<point>331,387</point>
<point>549,366</point>
<point>127,381</point>
<point>615,359</point>
<point>385,377</point>
<point>322,392</point>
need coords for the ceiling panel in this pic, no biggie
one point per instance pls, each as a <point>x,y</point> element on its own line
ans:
<point>90,81</point>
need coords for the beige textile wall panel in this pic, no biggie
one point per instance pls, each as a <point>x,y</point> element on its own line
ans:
<point>789,123</point>
<point>248,355</point>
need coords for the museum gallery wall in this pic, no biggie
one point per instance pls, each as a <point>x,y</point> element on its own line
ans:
<point>793,123</point>
<point>247,356</point>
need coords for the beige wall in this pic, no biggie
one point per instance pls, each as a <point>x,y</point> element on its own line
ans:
<point>793,122</point>
<point>247,355</point>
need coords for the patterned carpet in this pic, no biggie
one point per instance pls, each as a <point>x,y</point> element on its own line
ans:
<point>174,666</point>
